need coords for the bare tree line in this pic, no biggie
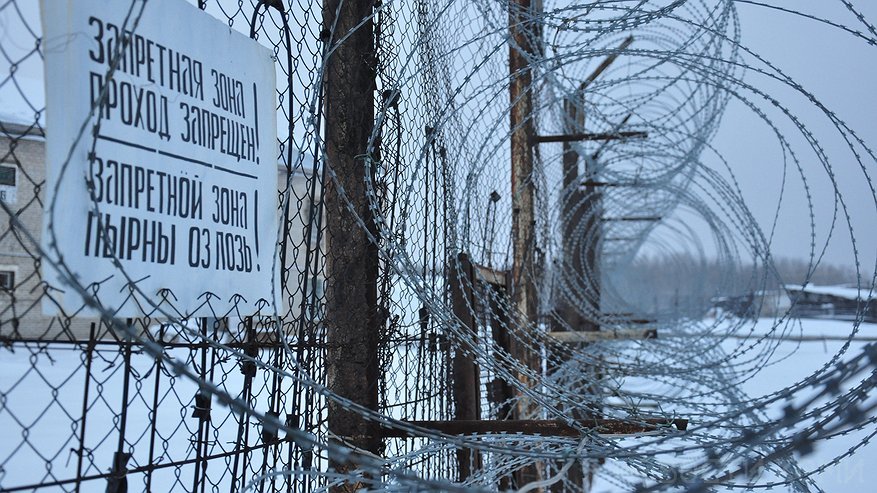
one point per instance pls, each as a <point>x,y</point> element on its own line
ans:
<point>664,285</point>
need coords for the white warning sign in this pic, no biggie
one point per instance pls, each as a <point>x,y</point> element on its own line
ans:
<point>161,158</point>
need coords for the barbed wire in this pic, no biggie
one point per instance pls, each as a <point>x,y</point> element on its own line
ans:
<point>628,102</point>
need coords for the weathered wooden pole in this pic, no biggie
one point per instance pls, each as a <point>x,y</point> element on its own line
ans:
<point>568,313</point>
<point>467,384</point>
<point>523,31</point>
<point>593,211</point>
<point>581,231</point>
<point>352,316</point>
<point>575,210</point>
<point>592,198</point>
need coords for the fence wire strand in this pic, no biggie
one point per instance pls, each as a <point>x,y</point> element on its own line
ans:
<point>245,400</point>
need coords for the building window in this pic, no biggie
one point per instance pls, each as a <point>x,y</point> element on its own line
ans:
<point>7,184</point>
<point>7,280</point>
<point>7,176</point>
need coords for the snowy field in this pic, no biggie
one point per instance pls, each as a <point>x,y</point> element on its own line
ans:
<point>793,362</point>
<point>42,394</point>
<point>27,379</point>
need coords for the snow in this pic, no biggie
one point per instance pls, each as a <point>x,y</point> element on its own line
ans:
<point>790,362</point>
<point>793,362</point>
<point>42,393</point>
<point>43,396</point>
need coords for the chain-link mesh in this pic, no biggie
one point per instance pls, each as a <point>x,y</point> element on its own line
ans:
<point>466,194</point>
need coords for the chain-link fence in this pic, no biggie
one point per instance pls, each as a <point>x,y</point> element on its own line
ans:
<point>462,191</point>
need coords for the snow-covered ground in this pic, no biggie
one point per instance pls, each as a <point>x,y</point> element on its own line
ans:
<point>27,380</point>
<point>793,362</point>
<point>42,399</point>
<point>787,362</point>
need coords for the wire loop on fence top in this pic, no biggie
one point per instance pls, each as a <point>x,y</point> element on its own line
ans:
<point>519,245</point>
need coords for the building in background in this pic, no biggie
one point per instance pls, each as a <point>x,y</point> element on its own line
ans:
<point>832,302</point>
<point>752,305</point>
<point>825,302</point>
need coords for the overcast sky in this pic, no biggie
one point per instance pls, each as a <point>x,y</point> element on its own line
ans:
<point>839,70</point>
